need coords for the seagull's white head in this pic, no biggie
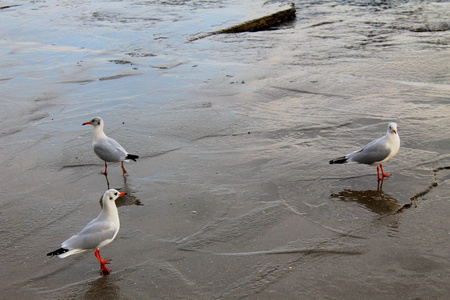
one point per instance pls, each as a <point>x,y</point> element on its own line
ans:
<point>97,121</point>
<point>112,195</point>
<point>392,128</point>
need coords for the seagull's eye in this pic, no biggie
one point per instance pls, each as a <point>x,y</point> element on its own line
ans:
<point>115,194</point>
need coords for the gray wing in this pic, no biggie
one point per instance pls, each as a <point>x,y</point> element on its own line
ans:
<point>91,236</point>
<point>109,150</point>
<point>374,152</point>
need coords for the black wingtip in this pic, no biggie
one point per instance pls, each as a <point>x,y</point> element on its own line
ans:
<point>57,252</point>
<point>132,157</point>
<point>339,160</point>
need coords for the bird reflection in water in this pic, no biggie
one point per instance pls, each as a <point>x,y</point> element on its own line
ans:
<point>375,201</point>
<point>128,198</point>
<point>102,288</point>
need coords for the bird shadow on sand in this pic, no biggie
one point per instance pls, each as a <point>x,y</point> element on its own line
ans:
<point>129,198</point>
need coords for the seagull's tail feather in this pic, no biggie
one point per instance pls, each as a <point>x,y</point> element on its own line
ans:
<point>57,252</point>
<point>339,160</point>
<point>132,157</point>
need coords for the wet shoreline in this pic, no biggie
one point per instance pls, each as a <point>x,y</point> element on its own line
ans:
<point>232,196</point>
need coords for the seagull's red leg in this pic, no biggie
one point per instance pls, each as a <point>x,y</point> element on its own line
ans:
<point>382,172</point>
<point>104,271</point>
<point>106,167</point>
<point>378,173</point>
<point>123,169</point>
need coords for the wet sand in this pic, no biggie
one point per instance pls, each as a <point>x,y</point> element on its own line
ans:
<point>232,196</point>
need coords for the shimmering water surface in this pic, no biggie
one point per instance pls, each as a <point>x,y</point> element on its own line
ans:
<point>232,196</point>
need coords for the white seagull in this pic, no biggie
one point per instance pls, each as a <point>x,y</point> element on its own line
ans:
<point>376,152</point>
<point>98,233</point>
<point>107,148</point>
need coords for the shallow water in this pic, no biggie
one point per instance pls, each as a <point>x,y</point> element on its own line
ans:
<point>232,196</point>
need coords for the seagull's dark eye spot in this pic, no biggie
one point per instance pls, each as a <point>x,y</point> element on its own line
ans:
<point>115,194</point>
<point>110,198</point>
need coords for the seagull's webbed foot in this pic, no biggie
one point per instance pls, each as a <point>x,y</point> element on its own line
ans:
<point>382,172</point>
<point>106,170</point>
<point>104,271</point>
<point>381,178</point>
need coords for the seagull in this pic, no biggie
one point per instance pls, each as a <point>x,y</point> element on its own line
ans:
<point>107,148</point>
<point>376,152</point>
<point>98,233</point>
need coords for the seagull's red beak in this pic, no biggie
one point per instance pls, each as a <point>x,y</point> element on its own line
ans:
<point>121,194</point>
<point>395,131</point>
<point>86,123</point>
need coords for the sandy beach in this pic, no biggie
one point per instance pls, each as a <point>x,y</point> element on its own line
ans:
<point>232,196</point>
